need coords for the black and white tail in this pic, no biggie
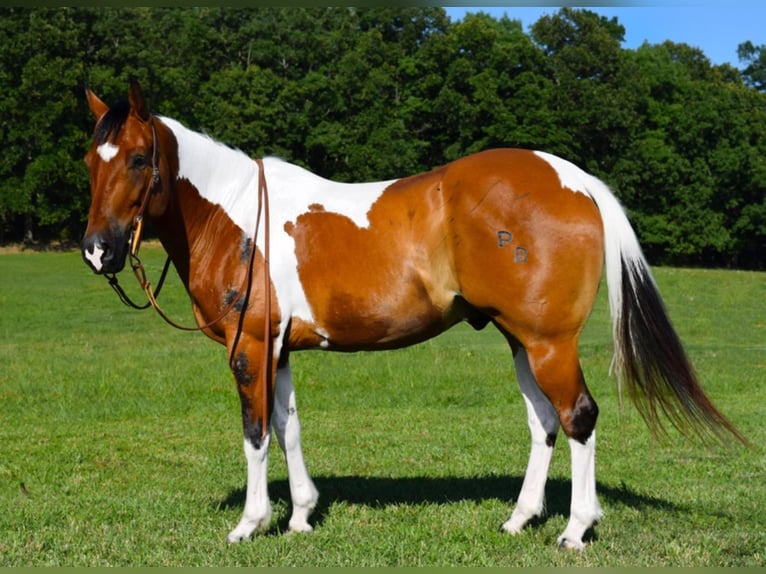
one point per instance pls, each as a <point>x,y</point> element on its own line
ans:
<point>648,355</point>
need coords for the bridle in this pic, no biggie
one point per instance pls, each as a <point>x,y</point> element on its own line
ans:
<point>134,243</point>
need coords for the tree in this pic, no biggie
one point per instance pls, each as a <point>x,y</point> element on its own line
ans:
<point>39,125</point>
<point>692,165</point>
<point>592,100</point>
<point>755,58</point>
<point>375,93</point>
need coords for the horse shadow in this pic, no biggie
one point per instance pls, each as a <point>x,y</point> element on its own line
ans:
<point>378,492</point>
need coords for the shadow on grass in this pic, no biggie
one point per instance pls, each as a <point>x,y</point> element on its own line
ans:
<point>378,492</point>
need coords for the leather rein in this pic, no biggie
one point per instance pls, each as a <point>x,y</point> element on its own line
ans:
<point>151,294</point>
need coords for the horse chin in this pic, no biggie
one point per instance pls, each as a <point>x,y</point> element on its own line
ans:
<point>118,263</point>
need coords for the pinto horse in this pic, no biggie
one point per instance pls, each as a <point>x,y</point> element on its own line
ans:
<point>511,237</point>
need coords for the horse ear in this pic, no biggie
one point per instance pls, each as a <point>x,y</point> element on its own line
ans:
<point>137,102</point>
<point>98,107</point>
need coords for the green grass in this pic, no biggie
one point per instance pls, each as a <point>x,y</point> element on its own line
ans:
<point>120,440</point>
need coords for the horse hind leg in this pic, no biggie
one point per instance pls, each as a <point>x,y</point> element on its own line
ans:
<point>287,429</point>
<point>556,368</point>
<point>585,510</point>
<point>543,424</point>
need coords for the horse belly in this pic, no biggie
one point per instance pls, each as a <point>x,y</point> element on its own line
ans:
<point>383,286</point>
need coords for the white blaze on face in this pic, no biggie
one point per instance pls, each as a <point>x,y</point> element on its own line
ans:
<point>107,151</point>
<point>95,257</point>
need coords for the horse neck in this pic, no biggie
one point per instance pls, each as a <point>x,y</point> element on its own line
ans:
<point>211,180</point>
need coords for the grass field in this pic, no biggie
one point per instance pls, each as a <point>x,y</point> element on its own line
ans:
<point>120,440</point>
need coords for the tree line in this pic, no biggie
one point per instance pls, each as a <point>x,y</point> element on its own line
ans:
<point>365,94</point>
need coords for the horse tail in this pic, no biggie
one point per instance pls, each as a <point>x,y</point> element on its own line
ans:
<point>648,355</point>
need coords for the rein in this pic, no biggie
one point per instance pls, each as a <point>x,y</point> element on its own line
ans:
<point>140,273</point>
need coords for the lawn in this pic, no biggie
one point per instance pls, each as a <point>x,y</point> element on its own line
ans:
<point>120,440</point>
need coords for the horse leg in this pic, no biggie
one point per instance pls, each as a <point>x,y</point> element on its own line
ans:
<point>257,512</point>
<point>287,428</point>
<point>585,510</point>
<point>556,368</point>
<point>543,424</point>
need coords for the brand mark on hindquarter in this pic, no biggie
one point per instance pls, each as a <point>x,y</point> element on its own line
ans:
<point>504,241</point>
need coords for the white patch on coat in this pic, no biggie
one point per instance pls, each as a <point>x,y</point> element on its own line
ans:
<point>570,176</point>
<point>95,257</point>
<point>107,151</point>
<point>229,178</point>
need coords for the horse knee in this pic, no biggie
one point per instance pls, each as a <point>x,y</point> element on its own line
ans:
<point>252,395</point>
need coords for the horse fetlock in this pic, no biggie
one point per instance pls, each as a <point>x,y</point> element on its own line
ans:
<point>520,517</point>
<point>302,509</point>
<point>306,497</point>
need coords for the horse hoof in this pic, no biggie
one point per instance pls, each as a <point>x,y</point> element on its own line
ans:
<point>568,544</point>
<point>511,527</point>
<point>300,528</point>
<point>235,537</point>
<point>247,527</point>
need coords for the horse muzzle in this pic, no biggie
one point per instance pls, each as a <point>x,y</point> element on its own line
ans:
<point>104,255</point>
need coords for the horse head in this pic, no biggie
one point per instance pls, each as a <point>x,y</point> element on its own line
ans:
<point>128,177</point>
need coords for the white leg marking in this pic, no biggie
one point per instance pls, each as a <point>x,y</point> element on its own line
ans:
<point>585,509</point>
<point>543,423</point>
<point>95,257</point>
<point>257,512</point>
<point>286,426</point>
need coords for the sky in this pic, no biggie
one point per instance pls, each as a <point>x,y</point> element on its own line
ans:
<point>717,27</point>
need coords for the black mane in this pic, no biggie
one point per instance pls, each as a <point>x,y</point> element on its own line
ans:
<point>109,126</point>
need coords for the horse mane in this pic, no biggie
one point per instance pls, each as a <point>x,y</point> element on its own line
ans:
<point>111,123</point>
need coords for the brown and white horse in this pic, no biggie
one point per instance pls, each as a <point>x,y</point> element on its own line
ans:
<point>511,237</point>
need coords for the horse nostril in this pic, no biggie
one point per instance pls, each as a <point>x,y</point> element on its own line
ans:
<point>96,252</point>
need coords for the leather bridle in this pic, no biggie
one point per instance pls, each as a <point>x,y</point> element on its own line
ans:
<point>134,242</point>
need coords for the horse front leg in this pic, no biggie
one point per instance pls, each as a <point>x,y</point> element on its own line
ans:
<point>286,426</point>
<point>246,369</point>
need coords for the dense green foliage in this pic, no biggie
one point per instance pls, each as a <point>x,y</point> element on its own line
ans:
<point>359,94</point>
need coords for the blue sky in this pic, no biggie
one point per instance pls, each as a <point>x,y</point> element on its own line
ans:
<point>717,27</point>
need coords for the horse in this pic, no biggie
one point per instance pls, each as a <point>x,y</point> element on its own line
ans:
<point>276,259</point>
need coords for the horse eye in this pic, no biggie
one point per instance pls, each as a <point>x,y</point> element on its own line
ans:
<point>138,161</point>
